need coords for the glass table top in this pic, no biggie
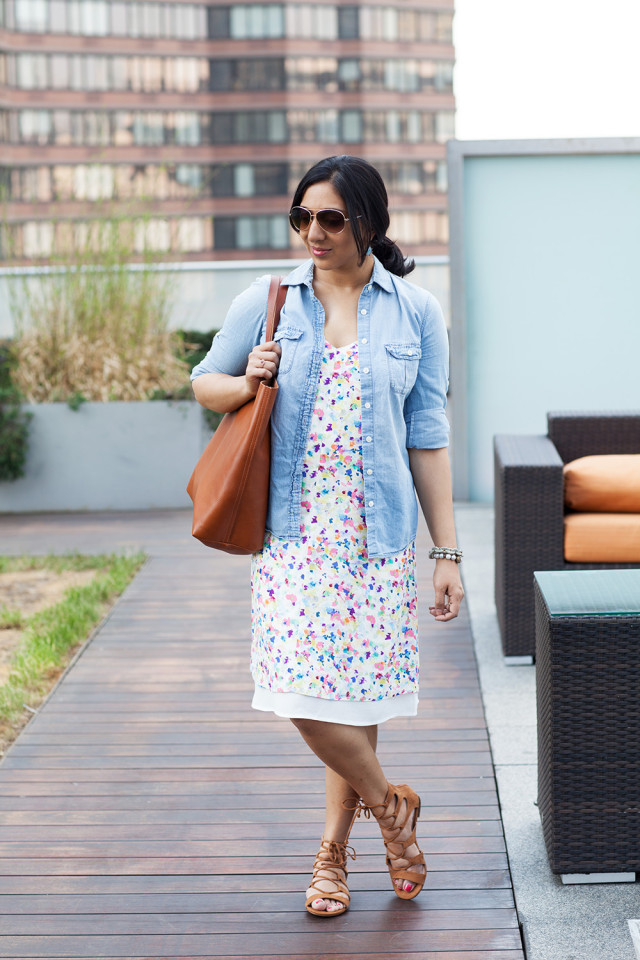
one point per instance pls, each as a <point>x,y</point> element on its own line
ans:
<point>590,593</point>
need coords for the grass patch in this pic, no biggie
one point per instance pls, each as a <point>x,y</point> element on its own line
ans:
<point>52,636</point>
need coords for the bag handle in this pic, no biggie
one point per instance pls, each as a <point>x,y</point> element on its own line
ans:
<point>275,303</point>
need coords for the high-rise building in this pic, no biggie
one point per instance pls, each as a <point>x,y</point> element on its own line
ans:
<point>206,114</point>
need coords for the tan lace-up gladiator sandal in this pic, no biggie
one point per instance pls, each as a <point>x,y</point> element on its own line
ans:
<point>392,822</point>
<point>330,877</point>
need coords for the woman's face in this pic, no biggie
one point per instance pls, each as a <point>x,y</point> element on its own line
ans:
<point>330,251</point>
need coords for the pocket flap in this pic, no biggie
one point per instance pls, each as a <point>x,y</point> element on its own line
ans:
<point>404,351</point>
<point>288,332</point>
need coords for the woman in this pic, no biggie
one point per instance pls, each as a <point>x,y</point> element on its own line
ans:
<point>359,422</point>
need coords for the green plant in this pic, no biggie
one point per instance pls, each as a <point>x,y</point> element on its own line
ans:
<point>96,326</point>
<point>51,635</point>
<point>10,619</point>
<point>192,346</point>
<point>75,400</point>
<point>212,419</point>
<point>14,421</point>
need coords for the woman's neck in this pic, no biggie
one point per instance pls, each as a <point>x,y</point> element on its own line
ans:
<point>344,279</point>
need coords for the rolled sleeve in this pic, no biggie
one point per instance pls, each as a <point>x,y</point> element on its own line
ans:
<point>241,331</point>
<point>424,409</point>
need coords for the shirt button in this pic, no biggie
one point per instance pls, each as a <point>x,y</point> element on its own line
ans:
<point>369,439</point>
<point>367,405</point>
<point>369,472</point>
<point>366,370</point>
<point>364,340</point>
<point>410,353</point>
<point>363,312</point>
<point>370,503</point>
<point>369,289</point>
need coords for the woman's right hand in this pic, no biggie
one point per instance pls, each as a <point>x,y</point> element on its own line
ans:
<point>262,365</point>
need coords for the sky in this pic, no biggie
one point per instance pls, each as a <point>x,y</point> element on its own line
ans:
<point>547,68</point>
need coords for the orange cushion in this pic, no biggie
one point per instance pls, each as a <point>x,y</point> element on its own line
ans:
<point>602,538</point>
<point>610,484</point>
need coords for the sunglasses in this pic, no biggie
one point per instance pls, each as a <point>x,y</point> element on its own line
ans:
<point>331,221</point>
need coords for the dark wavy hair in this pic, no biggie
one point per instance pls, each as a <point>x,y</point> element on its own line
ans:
<point>365,197</point>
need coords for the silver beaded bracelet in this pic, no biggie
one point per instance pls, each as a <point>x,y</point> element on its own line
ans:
<point>445,553</point>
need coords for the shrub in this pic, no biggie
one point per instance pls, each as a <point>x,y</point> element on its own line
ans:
<point>14,422</point>
<point>97,326</point>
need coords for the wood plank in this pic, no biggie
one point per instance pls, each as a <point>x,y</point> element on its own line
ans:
<point>325,942</point>
<point>241,848</point>
<point>67,811</point>
<point>157,830</point>
<point>369,921</point>
<point>233,903</point>
<point>242,883</point>
<point>224,866</point>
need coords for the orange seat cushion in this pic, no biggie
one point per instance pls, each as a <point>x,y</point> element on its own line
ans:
<point>602,538</point>
<point>607,484</point>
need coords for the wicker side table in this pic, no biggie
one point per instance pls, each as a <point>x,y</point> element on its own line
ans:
<point>588,696</point>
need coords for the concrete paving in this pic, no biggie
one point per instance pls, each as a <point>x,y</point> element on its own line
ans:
<point>585,922</point>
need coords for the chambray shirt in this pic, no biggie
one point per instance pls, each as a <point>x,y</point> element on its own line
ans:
<point>403,356</point>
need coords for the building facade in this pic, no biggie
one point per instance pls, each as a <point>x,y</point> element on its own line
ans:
<point>204,116</point>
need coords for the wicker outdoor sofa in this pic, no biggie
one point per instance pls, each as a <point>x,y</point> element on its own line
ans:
<point>529,509</point>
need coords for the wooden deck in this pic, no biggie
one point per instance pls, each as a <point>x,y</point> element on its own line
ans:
<point>148,812</point>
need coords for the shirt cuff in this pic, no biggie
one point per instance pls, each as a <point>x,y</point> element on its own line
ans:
<point>428,429</point>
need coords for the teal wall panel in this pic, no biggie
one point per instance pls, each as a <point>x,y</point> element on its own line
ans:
<point>552,267</point>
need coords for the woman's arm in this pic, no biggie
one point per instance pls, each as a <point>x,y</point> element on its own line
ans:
<point>223,393</point>
<point>432,480</point>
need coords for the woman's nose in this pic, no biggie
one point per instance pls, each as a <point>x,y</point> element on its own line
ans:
<point>315,231</point>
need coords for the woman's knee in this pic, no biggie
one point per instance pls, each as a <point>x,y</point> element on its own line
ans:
<point>308,728</point>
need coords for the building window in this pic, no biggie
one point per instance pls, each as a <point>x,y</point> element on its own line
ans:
<point>94,18</point>
<point>444,126</point>
<point>37,239</point>
<point>119,25</point>
<point>186,127</point>
<point>60,79</point>
<point>348,23</point>
<point>247,233</point>
<point>351,126</point>
<point>256,21</point>
<point>35,126</point>
<point>221,180</point>
<point>31,15</point>
<point>219,22</point>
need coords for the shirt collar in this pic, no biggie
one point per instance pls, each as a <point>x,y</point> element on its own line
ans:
<point>303,276</point>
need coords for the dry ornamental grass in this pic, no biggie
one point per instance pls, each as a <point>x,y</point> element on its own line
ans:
<point>97,328</point>
<point>99,368</point>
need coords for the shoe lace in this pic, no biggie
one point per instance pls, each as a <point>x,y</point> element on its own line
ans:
<point>337,852</point>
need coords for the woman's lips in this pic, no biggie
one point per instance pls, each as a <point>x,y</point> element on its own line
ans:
<point>318,252</point>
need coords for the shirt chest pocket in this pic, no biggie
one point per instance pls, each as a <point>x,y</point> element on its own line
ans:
<point>288,337</point>
<point>402,361</point>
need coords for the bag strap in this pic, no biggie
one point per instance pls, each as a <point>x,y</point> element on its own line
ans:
<point>275,303</point>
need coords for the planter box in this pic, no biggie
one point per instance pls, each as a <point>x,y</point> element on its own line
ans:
<point>108,456</point>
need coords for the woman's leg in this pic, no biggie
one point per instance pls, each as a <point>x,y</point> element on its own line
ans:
<point>337,790</point>
<point>338,820</point>
<point>353,769</point>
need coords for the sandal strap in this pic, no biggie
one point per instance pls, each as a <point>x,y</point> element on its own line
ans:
<point>331,867</point>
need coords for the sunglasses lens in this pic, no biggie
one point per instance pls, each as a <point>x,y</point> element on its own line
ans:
<point>332,221</point>
<point>299,218</point>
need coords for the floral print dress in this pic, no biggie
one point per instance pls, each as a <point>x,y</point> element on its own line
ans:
<point>334,633</point>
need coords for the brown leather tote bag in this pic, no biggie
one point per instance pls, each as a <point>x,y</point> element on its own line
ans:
<point>230,484</point>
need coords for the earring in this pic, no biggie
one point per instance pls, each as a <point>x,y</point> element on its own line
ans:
<point>369,251</point>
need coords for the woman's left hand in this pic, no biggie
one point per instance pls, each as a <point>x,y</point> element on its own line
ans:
<point>448,590</point>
